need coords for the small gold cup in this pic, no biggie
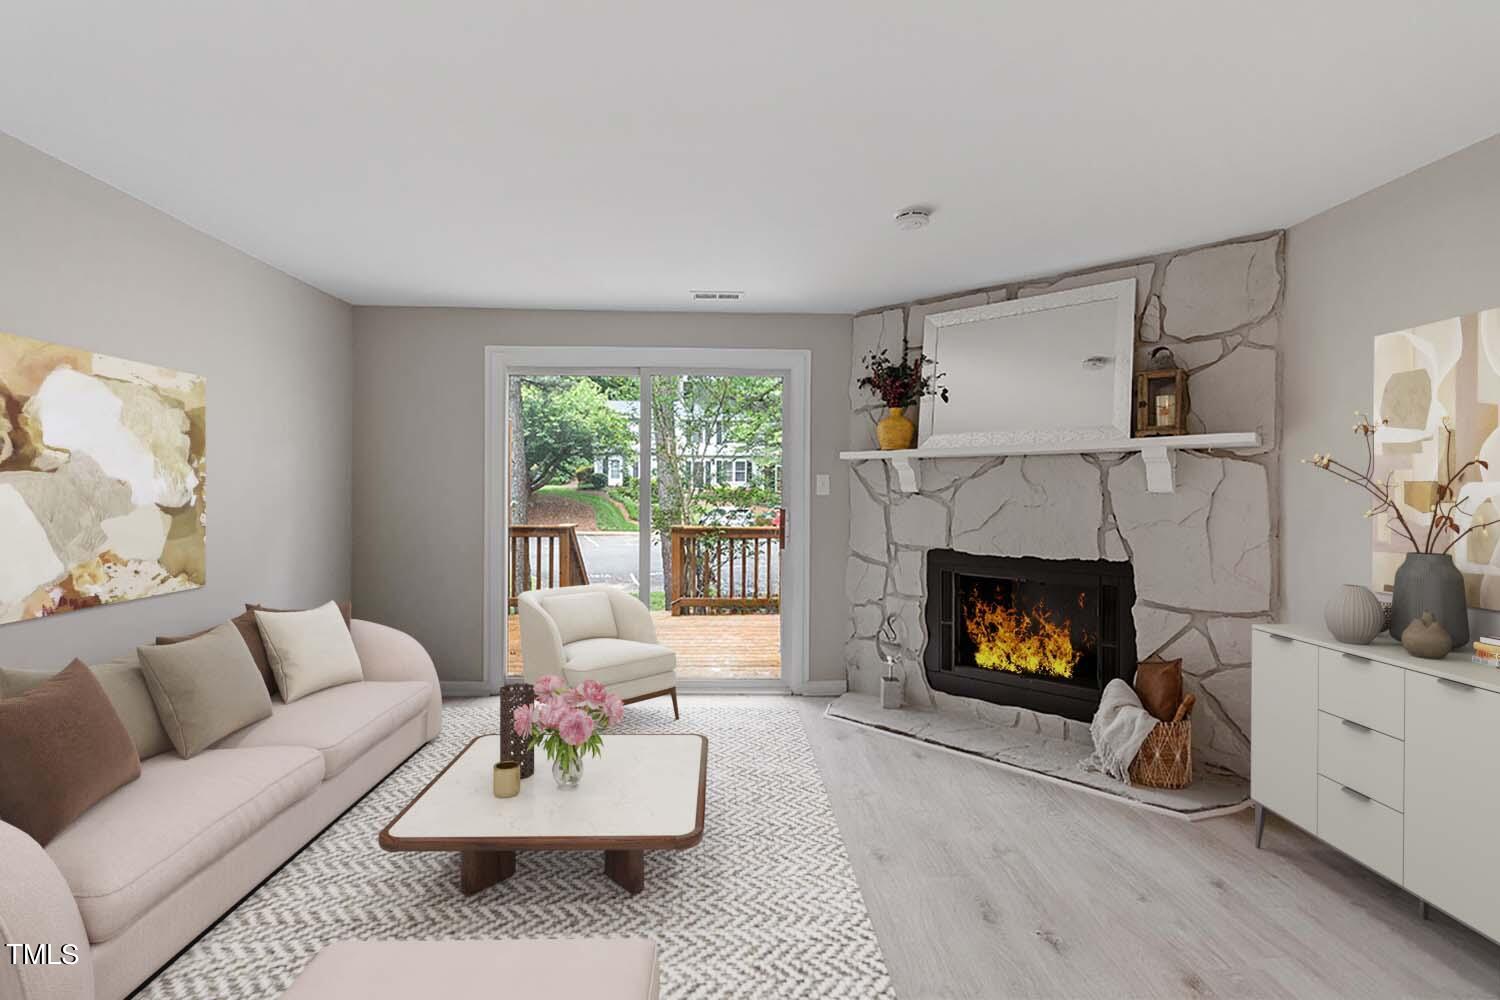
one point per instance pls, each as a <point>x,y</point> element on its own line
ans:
<point>507,779</point>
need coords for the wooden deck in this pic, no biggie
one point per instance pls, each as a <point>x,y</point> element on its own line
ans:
<point>708,647</point>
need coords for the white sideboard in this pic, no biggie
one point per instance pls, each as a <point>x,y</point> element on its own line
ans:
<point>1390,758</point>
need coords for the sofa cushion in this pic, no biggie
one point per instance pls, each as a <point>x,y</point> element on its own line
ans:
<point>341,723</point>
<point>204,688</point>
<point>62,749</point>
<point>558,968</point>
<point>141,842</point>
<point>123,681</point>
<point>585,615</point>
<point>308,650</point>
<point>612,661</point>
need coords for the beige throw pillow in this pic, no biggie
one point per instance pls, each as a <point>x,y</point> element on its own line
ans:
<point>204,688</point>
<point>581,616</point>
<point>125,685</point>
<point>309,650</point>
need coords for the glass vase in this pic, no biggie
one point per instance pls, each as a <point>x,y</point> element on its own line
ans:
<point>567,778</point>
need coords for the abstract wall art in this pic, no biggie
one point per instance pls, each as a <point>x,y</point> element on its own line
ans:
<point>1437,390</point>
<point>102,479</point>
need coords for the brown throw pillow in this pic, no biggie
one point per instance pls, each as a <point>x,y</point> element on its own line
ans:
<point>250,632</point>
<point>1159,685</point>
<point>62,748</point>
<point>125,685</point>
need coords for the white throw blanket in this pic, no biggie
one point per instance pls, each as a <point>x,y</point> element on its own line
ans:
<point>1119,728</point>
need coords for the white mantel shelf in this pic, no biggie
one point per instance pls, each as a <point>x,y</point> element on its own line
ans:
<point>1157,452</point>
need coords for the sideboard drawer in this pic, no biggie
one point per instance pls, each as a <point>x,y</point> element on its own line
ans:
<point>1362,758</point>
<point>1362,690</point>
<point>1362,828</point>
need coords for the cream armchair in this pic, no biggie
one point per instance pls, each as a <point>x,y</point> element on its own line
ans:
<point>596,632</point>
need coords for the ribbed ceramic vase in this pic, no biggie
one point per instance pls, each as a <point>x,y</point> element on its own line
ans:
<point>1430,582</point>
<point>895,431</point>
<point>1353,614</point>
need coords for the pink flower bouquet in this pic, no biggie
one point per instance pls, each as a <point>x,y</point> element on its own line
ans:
<point>568,723</point>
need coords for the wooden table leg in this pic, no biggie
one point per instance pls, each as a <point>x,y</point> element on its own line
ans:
<point>478,870</point>
<point>627,868</point>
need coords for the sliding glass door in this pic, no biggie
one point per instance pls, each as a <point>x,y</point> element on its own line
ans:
<point>667,482</point>
<point>717,519</point>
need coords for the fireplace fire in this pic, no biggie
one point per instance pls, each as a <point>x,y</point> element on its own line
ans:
<point>1038,633</point>
<point>1001,635</point>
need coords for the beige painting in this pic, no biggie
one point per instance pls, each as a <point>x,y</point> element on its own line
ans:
<point>1434,383</point>
<point>102,479</point>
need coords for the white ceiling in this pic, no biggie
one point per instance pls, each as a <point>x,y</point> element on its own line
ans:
<point>554,154</point>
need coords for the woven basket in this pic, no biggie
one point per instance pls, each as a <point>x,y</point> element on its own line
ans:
<point>1165,760</point>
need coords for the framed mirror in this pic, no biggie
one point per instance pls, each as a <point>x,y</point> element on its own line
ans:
<point>1050,369</point>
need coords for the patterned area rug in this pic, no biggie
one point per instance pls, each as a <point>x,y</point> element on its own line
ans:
<point>765,906</point>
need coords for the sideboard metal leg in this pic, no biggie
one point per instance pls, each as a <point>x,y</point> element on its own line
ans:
<point>1260,823</point>
<point>1422,909</point>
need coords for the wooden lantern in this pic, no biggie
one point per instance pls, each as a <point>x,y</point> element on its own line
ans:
<point>1161,397</point>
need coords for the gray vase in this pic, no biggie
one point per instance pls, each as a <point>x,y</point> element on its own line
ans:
<point>1430,582</point>
<point>1354,615</point>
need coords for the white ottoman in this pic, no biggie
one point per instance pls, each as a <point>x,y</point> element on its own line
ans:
<point>594,969</point>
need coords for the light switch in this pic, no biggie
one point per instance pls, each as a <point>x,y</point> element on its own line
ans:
<point>821,484</point>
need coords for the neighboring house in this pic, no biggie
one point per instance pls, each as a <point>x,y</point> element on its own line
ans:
<point>714,460</point>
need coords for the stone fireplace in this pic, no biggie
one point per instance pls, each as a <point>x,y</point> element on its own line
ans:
<point>1197,565</point>
<point>1041,634</point>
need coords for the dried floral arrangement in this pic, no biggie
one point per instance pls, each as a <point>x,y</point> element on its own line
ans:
<point>1446,503</point>
<point>901,383</point>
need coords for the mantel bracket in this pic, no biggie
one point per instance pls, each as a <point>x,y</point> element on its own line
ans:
<point>908,473</point>
<point>1160,464</point>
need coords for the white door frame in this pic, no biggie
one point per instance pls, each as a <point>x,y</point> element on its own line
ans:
<point>794,365</point>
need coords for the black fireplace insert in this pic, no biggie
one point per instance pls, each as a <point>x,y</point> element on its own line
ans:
<point>1043,634</point>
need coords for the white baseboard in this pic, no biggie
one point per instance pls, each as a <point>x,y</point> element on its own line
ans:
<point>823,689</point>
<point>465,689</point>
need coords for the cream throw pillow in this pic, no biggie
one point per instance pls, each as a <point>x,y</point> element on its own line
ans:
<point>309,650</point>
<point>204,688</point>
<point>581,616</point>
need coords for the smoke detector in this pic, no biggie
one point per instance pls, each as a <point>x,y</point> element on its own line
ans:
<point>707,295</point>
<point>913,218</point>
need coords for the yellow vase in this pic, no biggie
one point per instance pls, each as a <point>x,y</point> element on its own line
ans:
<point>895,431</point>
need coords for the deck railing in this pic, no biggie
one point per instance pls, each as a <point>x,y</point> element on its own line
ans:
<point>543,556</point>
<point>728,569</point>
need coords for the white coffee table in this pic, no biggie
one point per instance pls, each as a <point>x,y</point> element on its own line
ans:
<point>644,793</point>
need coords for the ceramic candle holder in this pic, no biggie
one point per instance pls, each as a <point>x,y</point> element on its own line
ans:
<point>507,779</point>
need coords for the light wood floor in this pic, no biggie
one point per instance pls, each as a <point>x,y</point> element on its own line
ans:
<point>708,647</point>
<point>984,883</point>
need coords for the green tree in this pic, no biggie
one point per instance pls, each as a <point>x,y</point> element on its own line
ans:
<point>568,423</point>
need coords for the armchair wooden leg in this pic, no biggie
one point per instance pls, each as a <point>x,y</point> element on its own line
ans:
<point>675,714</point>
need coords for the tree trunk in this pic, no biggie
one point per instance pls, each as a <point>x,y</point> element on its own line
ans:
<point>520,480</point>
<point>668,490</point>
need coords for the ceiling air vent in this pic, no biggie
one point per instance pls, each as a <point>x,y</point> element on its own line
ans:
<point>704,295</point>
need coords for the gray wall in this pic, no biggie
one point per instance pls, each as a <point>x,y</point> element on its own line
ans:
<point>1422,248</point>
<point>419,457</point>
<point>85,265</point>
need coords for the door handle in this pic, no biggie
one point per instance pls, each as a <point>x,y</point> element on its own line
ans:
<point>1456,684</point>
<point>1280,638</point>
<point>1358,795</point>
<point>1355,725</point>
<point>1356,659</point>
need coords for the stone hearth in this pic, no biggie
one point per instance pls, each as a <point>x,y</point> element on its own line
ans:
<point>1203,557</point>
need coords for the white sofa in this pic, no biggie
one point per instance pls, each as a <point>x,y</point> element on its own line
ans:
<point>596,632</point>
<point>148,868</point>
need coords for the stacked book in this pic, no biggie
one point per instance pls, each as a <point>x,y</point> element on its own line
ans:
<point>1487,652</point>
